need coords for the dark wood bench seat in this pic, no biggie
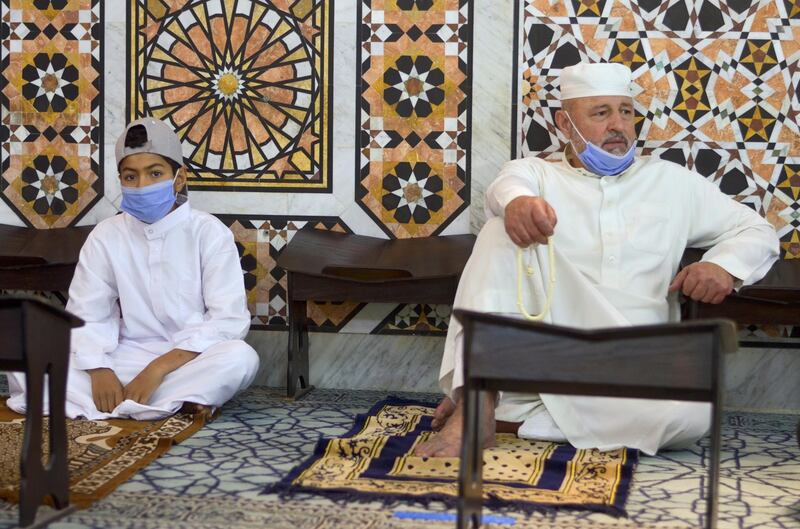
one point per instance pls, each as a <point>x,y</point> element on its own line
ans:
<point>329,266</point>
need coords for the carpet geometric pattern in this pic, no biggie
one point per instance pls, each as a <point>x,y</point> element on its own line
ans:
<point>51,138</point>
<point>414,109</point>
<point>716,88</point>
<point>214,479</point>
<point>244,83</point>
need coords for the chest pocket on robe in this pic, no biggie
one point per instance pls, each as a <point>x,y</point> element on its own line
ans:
<point>647,228</point>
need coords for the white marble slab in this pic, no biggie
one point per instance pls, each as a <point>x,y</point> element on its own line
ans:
<point>493,54</point>
<point>362,361</point>
<point>763,379</point>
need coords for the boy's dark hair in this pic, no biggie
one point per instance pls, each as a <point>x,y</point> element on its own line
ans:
<point>137,136</point>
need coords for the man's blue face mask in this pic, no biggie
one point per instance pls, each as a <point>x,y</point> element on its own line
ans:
<point>150,203</point>
<point>599,161</point>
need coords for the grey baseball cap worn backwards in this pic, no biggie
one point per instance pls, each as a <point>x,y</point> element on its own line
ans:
<point>161,140</point>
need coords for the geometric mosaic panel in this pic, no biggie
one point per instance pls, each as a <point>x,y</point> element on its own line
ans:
<point>260,240</point>
<point>414,108</point>
<point>51,138</point>
<point>416,319</point>
<point>716,88</point>
<point>244,83</point>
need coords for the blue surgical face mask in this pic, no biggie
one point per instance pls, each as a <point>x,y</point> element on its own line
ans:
<point>150,203</point>
<point>599,161</point>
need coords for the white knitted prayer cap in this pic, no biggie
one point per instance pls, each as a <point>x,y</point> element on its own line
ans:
<point>595,79</point>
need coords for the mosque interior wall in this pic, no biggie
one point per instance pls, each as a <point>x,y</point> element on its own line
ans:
<point>388,118</point>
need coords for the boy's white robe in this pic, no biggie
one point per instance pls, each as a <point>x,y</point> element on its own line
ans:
<point>618,244</point>
<point>145,289</point>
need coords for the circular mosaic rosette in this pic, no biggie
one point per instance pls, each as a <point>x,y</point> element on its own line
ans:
<point>238,84</point>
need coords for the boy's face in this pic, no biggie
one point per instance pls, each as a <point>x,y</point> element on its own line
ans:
<point>144,169</point>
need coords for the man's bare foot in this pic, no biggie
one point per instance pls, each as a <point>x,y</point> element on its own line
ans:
<point>193,408</point>
<point>447,443</point>
<point>443,412</point>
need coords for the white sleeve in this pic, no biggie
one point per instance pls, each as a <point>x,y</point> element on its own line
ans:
<point>226,317</point>
<point>93,297</point>
<point>517,178</point>
<point>739,239</point>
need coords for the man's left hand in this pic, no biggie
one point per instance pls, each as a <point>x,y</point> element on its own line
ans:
<point>142,387</point>
<point>705,282</point>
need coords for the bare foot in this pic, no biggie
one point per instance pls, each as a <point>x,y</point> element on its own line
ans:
<point>193,408</point>
<point>447,443</point>
<point>443,412</point>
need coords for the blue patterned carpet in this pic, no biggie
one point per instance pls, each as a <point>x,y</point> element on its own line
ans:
<point>215,478</point>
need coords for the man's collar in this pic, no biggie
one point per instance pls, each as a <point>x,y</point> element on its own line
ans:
<point>157,229</point>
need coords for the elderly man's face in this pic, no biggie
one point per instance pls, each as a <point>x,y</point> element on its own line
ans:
<point>606,121</point>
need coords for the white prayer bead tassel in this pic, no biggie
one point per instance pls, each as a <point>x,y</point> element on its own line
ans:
<point>529,270</point>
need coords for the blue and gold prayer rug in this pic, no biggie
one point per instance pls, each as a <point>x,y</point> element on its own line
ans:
<point>375,461</point>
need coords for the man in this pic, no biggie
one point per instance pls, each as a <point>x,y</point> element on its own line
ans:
<point>161,291</point>
<point>619,226</point>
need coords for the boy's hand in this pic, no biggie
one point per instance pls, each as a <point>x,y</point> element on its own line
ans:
<point>142,387</point>
<point>107,390</point>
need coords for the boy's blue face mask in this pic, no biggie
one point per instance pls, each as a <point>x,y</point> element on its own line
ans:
<point>150,203</point>
<point>602,162</point>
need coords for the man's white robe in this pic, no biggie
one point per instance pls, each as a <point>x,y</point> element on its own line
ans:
<point>618,244</point>
<point>145,289</point>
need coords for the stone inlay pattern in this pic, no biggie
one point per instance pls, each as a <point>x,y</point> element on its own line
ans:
<point>414,108</point>
<point>246,85</point>
<point>51,109</point>
<point>260,240</point>
<point>716,88</point>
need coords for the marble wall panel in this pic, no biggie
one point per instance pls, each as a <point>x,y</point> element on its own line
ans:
<point>244,83</point>
<point>51,105</point>
<point>414,103</point>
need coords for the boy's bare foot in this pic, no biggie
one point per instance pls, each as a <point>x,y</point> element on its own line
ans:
<point>443,412</point>
<point>193,408</point>
<point>447,442</point>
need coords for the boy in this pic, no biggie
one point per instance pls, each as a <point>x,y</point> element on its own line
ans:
<point>161,291</point>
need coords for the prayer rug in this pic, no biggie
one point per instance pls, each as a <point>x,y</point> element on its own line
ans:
<point>375,460</point>
<point>102,454</point>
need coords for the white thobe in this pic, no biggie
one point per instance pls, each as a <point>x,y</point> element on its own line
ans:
<point>145,289</point>
<point>618,244</point>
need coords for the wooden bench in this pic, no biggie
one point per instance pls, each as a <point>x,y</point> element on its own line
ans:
<point>44,260</point>
<point>36,338</point>
<point>774,300</point>
<point>329,266</point>
<point>672,361</point>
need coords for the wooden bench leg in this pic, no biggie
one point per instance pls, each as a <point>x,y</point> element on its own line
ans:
<point>58,464</point>
<point>715,448</point>
<point>470,496</point>
<point>32,479</point>
<point>297,380</point>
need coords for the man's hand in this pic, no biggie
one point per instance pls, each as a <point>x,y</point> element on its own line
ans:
<point>705,282</point>
<point>107,390</point>
<point>142,387</point>
<point>529,220</point>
